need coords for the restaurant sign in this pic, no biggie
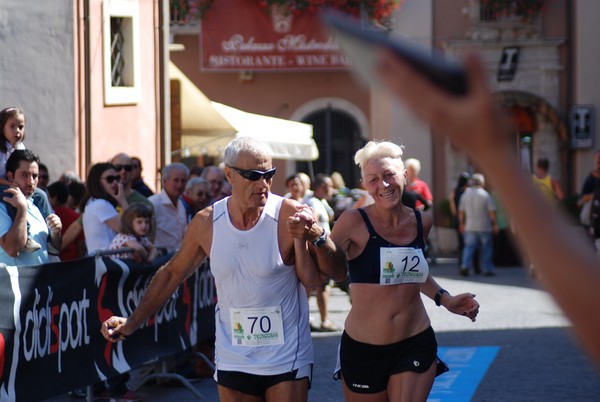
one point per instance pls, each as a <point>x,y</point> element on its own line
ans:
<point>241,35</point>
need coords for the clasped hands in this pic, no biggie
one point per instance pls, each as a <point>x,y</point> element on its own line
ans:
<point>303,225</point>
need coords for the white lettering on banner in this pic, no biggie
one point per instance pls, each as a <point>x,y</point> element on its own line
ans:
<point>237,43</point>
<point>132,299</point>
<point>340,60</point>
<point>247,61</point>
<point>298,43</point>
<point>207,290</point>
<point>166,313</point>
<point>313,60</point>
<point>70,330</point>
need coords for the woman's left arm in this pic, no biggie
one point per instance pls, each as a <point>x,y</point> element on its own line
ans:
<point>462,304</point>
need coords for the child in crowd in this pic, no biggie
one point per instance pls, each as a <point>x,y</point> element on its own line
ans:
<point>58,193</point>
<point>136,224</point>
<point>12,134</point>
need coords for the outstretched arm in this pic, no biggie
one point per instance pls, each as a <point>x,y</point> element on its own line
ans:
<point>568,266</point>
<point>166,280</point>
<point>462,304</point>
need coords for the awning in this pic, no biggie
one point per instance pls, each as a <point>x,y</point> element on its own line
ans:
<point>198,117</point>
<point>207,126</point>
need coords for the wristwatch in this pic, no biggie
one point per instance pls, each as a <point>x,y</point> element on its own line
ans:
<point>438,297</point>
<point>320,242</point>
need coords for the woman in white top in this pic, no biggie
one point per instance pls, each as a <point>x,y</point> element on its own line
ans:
<point>100,207</point>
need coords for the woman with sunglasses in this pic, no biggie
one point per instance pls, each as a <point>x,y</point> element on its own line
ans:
<point>100,207</point>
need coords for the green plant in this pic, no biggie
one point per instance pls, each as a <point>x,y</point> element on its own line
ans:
<point>185,11</point>
<point>443,214</point>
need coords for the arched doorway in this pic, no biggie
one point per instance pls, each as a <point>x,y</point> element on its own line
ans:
<point>524,125</point>
<point>539,131</point>
<point>338,137</point>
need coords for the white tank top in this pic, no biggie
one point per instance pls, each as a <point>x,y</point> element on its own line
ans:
<point>261,315</point>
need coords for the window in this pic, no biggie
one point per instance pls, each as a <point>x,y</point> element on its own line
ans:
<point>526,12</point>
<point>338,137</point>
<point>509,19</point>
<point>121,52</point>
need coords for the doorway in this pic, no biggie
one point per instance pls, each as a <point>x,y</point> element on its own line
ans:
<point>338,137</point>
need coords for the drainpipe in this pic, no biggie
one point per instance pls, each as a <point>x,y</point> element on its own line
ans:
<point>569,76</point>
<point>164,97</point>
<point>328,140</point>
<point>87,87</point>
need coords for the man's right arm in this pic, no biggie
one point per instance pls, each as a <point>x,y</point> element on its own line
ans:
<point>14,239</point>
<point>166,280</point>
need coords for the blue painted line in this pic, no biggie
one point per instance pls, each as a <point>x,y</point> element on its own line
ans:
<point>467,368</point>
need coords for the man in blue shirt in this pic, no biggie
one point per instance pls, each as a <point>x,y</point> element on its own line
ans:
<point>22,170</point>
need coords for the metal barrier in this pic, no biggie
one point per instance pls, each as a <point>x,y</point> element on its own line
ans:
<point>164,374</point>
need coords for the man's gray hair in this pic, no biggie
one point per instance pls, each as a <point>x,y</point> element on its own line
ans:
<point>194,181</point>
<point>166,171</point>
<point>478,180</point>
<point>244,145</point>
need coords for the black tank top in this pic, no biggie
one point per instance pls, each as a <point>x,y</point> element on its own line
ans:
<point>365,267</point>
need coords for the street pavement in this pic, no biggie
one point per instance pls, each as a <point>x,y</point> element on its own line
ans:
<point>531,352</point>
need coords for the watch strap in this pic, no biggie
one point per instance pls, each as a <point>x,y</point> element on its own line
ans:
<point>321,240</point>
<point>438,296</point>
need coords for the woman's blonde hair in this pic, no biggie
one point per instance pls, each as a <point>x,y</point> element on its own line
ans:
<point>379,149</point>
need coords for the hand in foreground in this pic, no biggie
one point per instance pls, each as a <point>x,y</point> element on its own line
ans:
<point>463,304</point>
<point>112,329</point>
<point>472,122</point>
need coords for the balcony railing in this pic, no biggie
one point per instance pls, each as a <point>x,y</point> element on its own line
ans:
<point>510,21</point>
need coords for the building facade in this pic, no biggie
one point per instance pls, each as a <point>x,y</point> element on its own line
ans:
<point>59,66</point>
<point>87,73</point>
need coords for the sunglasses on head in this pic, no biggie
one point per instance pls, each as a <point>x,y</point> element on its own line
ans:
<point>254,175</point>
<point>128,168</point>
<point>110,179</point>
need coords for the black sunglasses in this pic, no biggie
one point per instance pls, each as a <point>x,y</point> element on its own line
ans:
<point>254,175</point>
<point>128,168</point>
<point>110,179</point>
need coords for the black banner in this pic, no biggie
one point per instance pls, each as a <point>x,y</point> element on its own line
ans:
<point>50,320</point>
